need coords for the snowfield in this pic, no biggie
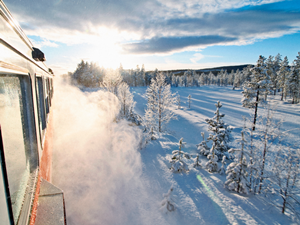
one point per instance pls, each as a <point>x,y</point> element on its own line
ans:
<point>200,196</point>
<point>108,180</point>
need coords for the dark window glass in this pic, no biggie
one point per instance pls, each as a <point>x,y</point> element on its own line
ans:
<point>41,104</point>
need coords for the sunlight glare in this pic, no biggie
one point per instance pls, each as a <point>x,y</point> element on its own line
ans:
<point>108,50</point>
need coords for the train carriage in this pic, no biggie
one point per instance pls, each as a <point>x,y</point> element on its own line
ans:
<point>26,90</point>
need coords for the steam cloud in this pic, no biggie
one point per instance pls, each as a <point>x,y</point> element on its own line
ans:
<point>97,162</point>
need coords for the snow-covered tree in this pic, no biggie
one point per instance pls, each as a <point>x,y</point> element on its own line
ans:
<point>255,91</point>
<point>167,204</point>
<point>202,147</point>
<point>223,163</point>
<point>211,78</point>
<point>273,66</point>
<point>237,79</point>
<point>221,133</point>
<point>126,100</point>
<point>212,164</point>
<point>294,84</point>
<point>285,182</point>
<point>160,99</point>
<point>112,80</point>
<point>294,79</point>
<point>189,100</point>
<point>179,157</point>
<point>197,162</point>
<point>202,79</point>
<point>269,134</point>
<point>282,76</point>
<point>237,171</point>
<point>175,81</point>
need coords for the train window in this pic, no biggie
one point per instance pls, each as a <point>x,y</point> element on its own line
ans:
<point>41,105</point>
<point>47,96</point>
<point>18,139</point>
<point>4,217</point>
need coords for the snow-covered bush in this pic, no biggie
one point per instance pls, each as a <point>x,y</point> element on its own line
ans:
<point>179,159</point>
<point>167,204</point>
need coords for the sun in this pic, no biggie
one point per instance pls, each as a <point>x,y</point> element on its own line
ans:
<point>107,50</point>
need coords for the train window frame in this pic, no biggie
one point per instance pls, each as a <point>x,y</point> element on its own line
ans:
<point>30,144</point>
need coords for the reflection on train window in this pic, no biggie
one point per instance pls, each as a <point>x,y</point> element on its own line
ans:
<point>41,105</point>
<point>16,136</point>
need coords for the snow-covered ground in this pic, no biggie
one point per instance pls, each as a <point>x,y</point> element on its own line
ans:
<point>200,196</point>
<point>108,180</point>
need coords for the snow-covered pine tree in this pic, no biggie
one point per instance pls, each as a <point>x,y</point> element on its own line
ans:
<point>197,162</point>
<point>160,99</point>
<point>126,100</point>
<point>189,100</point>
<point>237,173</point>
<point>282,76</point>
<point>294,83</point>
<point>202,147</point>
<point>221,133</point>
<point>167,204</point>
<point>223,162</point>
<point>212,164</point>
<point>273,66</point>
<point>285,182</point>
<point>202,79</point>
<point>256,90</point>
<point>179,158</point>
<point>276,67</point>
<point>211,78</point>
<point>237,79</point>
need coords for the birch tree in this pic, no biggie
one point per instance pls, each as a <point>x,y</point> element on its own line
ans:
<point>126,100</point>
<point>160,99</point>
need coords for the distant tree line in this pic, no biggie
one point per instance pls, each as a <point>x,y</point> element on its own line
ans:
<point>275,72</point>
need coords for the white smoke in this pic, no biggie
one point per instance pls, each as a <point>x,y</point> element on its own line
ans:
<point>96,161</point>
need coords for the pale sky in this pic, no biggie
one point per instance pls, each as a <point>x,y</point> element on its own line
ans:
<point>163,34</point>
